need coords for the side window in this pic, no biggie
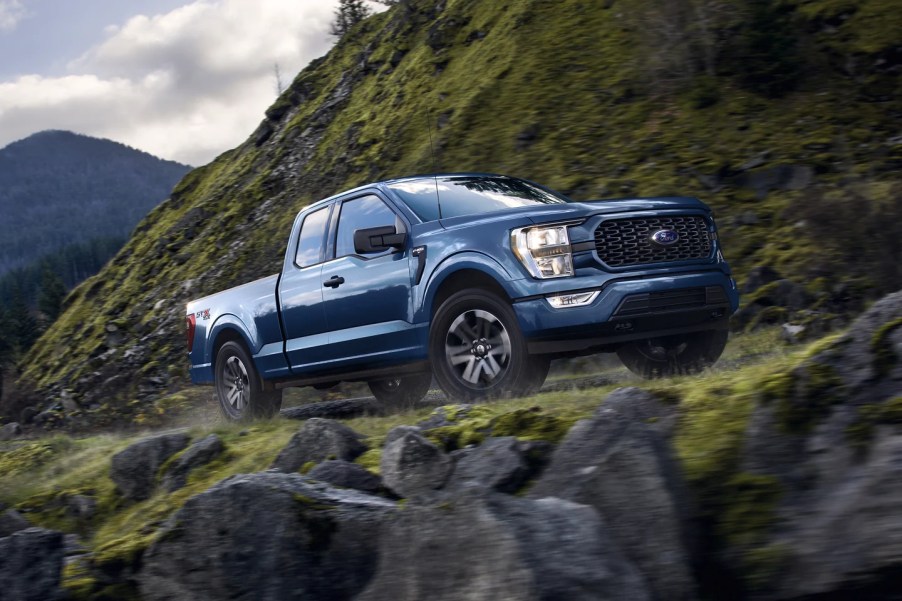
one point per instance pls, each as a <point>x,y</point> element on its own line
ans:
<point>361,213</point>
<point>312,238</point>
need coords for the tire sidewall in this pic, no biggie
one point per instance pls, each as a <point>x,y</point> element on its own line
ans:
<point>450,309</point>
<point>703,350</point>
<point>260,404</point>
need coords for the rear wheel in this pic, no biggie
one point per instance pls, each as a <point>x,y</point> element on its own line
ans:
<point>478,351</point>
<point>401,392</point>
<point>673,355</point>
<point>238,388</point>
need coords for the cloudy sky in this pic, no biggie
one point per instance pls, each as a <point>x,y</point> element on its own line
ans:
<point>181,79</point>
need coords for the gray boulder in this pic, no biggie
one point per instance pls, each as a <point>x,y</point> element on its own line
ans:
<point>31,562</point>
<point>848,536</point>
<point>837,525</point>
<point>10,431</point>
<point>497,463</point>
<point>493,546</point>
<point>318,440</point>
<point>412,466</point>
<point>200,453</point>
<point>267,536</point>
<point>134,470</point>
<point>620,463</point>
<point>12,521</point>
<point>347,475</point>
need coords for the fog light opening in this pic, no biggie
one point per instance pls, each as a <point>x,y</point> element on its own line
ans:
<point>576,299</point>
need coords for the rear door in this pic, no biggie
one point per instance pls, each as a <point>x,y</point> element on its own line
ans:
<point>367,297</point>
<point>301,295</point>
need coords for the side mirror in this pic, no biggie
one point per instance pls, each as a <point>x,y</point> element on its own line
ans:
<point>378,239</point>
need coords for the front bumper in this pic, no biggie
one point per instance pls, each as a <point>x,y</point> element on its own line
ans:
<point>630,309</point>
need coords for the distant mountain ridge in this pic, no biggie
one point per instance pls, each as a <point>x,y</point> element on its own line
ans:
<point>59,188</point>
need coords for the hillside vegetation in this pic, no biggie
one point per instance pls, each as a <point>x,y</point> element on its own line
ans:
<point>784,116</point>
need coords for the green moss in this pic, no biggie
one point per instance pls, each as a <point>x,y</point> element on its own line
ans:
<point>78,581</point>
<point>884,355</point>
<point>370,459</point>
<point>762,566</point>
<point>803,396</point>
<point>751,509</point>
<point>531,424</point>
<point>861,431</point>
<point>307,467</point>
<point>30,456</point>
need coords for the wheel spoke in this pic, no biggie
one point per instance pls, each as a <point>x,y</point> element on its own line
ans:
<point>491,367</point>
<point>469,374</point>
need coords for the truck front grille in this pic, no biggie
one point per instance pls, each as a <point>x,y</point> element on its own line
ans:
<point>624,242</point>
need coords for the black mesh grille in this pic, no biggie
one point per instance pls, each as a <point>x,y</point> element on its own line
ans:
<point>621,242</point>
<point>671,300</point>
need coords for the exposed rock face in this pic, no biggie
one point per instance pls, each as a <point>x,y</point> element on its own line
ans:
<point>318,440</point>
<point>200,453</point>
<point>497,463</point>
<point>412,466</point>
<point>838,524</point>
<point>347,475</point>
<point>10,431</point>
<point>134,470</point>
<point>267,536</point>
<point>494,546</point>
<point>11,521</point>
<point>623,467</point>
<point>31,561</point>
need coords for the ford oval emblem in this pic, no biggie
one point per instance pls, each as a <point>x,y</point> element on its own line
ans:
<point>665,237</point>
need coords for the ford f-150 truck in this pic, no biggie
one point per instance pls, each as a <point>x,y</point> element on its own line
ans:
<point>477,279</point>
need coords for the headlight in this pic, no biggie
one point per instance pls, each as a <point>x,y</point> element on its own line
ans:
<point>544,251</point>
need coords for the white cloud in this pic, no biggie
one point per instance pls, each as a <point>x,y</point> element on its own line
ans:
<point>184,85</point>
<point>11,12</point>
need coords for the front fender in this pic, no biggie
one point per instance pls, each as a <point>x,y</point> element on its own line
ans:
<point>465,260</point>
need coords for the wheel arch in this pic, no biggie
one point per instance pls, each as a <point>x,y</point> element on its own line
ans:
<point>462,271</point>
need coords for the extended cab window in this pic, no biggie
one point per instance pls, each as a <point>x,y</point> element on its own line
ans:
<point>313,234</point>
<point>362,213</point>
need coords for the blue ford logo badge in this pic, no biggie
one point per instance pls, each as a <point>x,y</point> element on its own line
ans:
<point>665,237</point>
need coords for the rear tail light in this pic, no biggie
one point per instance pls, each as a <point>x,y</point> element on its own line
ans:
<point>190,323</point>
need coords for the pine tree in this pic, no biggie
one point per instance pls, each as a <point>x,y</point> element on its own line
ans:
<point>50,298</point>
<point>23,327</point>
<point>348,14</point>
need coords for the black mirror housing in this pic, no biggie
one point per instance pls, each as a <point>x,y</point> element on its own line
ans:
<point>378,239</point>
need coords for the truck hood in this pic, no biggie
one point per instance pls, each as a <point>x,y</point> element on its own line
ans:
<point>587,208</point>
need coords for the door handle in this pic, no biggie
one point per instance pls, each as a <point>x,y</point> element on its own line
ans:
<point>334,282</point>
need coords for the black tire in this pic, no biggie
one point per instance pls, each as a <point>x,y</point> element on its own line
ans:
<point>238,387</point>
<point>478,351</point>
<point>673,355</point>
<point>402,392</point>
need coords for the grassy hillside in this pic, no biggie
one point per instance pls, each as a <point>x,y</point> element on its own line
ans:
<point>789,136</point>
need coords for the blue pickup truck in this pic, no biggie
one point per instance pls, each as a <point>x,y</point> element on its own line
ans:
<point>476,279</point>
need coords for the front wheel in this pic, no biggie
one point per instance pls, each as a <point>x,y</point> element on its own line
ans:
<point>673,355</point>
<point>238,389</point>
<point>477,349</point>
<point>402,392</point>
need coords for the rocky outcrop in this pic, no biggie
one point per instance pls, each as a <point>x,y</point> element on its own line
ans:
<point>267,536</point>
<point>200,453</point>
<point>31,562</point>
<point>10,431</point>
<point>497,464</point>
<point>836,523</point>
<point>412,466</point>
<point>491,546</point>
<point>318,440</point>
<point>623,467</point>
<point>11,521</point>
<point>347,475</point>
<point>134,470</point>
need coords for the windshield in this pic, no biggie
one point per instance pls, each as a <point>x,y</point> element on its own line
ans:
<point>469,195</point>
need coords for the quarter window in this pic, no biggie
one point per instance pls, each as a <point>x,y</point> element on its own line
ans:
<point>362,213</point>
<point>313,235</point>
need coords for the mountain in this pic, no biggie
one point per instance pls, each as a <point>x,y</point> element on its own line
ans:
<point>783,116</point>
<point>58,188</point>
